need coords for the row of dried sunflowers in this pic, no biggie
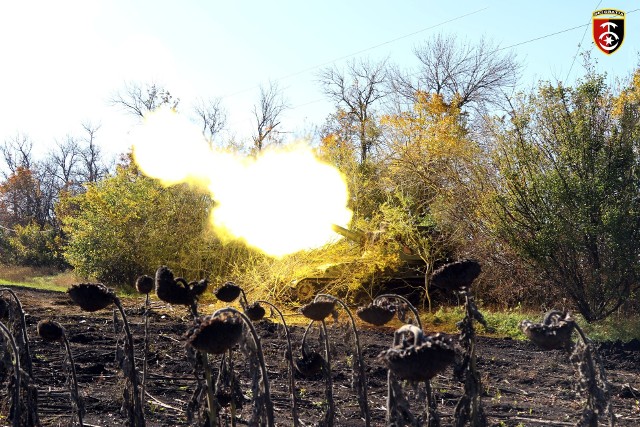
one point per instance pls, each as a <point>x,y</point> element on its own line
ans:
<point>413,359</point>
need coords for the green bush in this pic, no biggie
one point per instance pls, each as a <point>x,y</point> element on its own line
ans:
<point>128,224</point>
<point>32,246</point>
<point>568,191</point>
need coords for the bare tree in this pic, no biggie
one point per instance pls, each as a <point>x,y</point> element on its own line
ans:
<point>138,99</point>
<point>476,74</point>
<point>92,165</point>
<point>62,164</point>
<point>31,188</point>
<point>212,116</point>
<point>73,162</point>
<point>267,114</point>
<point>356,91</point>
<point>16,153</point>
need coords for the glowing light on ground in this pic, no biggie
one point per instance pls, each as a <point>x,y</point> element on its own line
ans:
<point>280,202</point>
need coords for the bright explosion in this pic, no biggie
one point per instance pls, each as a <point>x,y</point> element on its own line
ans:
<point>280,202</point>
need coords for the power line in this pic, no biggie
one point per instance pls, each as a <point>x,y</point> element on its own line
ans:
<point>384,43</point>
<point>554,34</point>
<point>580,44</point>
<point>541,37</point>
<point>304,104</point>
<point>360,51</point>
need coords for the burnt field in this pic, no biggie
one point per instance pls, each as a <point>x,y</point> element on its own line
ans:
<point>522,386</point>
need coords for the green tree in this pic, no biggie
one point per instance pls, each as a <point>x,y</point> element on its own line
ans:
<point>128,224</point>
<point>567,193</point>
<point>34,246</point>
<point>363,179</point>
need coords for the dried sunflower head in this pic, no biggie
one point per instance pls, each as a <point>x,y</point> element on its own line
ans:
<point>168,289</point>
<point>91,296</point>
<point>421,360</point>
<point>144,284</point>
<point>310,364</point>
<point>318,310</point>
<point>255,311</point>
<point>224,396</point>
<point>554,333</point>
<point>375,314</point>
<point>199,287</point>
<point>228,292</point>
<point>216,334</point>
<point>456,276</point>
<point>49,330</point>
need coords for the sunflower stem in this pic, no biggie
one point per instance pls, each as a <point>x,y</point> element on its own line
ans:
<point>263,367</point>
<point>23,326</point>
<point>16,373</point>
<point>26,363</point>
<point>232,386</point>
<point>133,375</point>
<point>362,378</point>
<point>292,383</point>
<point>469,407</point>
<point>433,420</point>
<point>211,399</point>
<point>146,348</point>
<point>304,336</point>
<point>73,388</point>
<point>390,399</point>
<point>331,409</point>
<point>243,302</point>
<point>598,394</point>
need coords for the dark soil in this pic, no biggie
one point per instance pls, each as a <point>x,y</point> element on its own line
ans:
<point>523,386</point>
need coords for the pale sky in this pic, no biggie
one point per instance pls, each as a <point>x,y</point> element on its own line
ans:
<point>62,61</point>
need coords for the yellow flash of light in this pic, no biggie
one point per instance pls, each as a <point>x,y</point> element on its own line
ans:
<point>282,201</point>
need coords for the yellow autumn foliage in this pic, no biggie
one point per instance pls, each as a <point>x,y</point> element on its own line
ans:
<point>428,145</point>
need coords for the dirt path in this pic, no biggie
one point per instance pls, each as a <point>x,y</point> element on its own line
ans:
<point>523,386</point>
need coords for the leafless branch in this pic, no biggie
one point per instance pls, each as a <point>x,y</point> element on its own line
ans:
<point>138,99</point>
<point>475,73</point>
<point>356,91</point>
<point>212,116</point>
<point>267,114</point>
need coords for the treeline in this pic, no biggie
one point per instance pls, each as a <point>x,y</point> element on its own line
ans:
<point>446,160</point>
<point>30,231</point>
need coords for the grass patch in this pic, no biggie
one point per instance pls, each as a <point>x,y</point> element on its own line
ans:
<point>615,327</point>
<point>45,283</point>
<point>506,324</point>
<point>50,280</point>
<point>36,284</point>
<point>36,278</point>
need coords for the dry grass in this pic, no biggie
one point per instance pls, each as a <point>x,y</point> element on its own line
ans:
<point>12,273</point>
<point>41,278</point>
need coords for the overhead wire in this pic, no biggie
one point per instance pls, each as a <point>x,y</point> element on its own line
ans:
<point>508,47</point>
<point>314,67</point>
<point>580,44</point>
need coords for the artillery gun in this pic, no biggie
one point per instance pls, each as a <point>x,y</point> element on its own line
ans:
<point>406,277</point>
